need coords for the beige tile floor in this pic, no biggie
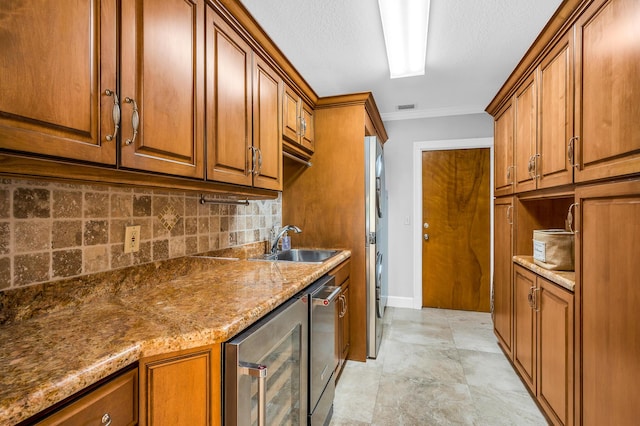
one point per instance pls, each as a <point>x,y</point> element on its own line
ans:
<point>435,367</point>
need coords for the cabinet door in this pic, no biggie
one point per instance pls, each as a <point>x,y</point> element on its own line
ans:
<point>266,126</point>
<point>229,150</point>
<point>52,102</point>
<point>307,139</point>
<point>525,135</point>
<point>162,79</point>
<point>524,352</point>
<point>503,148</point>
<point>607,301</point>
<point>555,116</point>
<point>290,115</point>
<point>608,89</point>
<point>182,388</point>
<point>555,351</point>
<point>503,264</point>
<point>116,401</point>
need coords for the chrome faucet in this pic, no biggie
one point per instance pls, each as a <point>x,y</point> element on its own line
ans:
<point>286,228</point>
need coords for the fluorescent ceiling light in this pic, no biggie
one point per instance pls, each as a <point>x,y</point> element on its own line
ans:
<point>405,24</point>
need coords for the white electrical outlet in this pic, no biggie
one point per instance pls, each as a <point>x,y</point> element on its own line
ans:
<point>132,239</point>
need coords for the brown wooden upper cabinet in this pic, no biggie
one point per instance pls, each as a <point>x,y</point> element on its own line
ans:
<point>162,93</point>
<point>542,125</point>
<point>243,110</point>
<point>607,87</point>
<point>67,105</point>
<point>525,148</point>
<point>553,165</point>
<point>503,146</point>
<point>51,102</point>
<point>297,123</point>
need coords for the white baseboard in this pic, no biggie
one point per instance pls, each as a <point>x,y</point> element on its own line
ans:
<point>400,302</point>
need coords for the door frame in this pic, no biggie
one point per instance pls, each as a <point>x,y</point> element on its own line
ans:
<point>440,145</point>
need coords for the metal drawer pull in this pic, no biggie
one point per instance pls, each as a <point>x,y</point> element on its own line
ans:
<point>135,120</point>
<point>260,372</point>
<point>115,113</point>
<point>106,419</point>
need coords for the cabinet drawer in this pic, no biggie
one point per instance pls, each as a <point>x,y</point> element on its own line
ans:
<point>341,272</point>
<point>116,399</point>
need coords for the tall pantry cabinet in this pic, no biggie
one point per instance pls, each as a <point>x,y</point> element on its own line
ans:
<point>571,109</point>
<point>327,200</point>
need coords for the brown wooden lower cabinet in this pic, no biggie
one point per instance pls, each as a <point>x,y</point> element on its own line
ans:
<point>544,344</point>
<point>115,402</point>
<point>608,304</point>
<point>503,273</point>
<point>182,388</point>
<point>343,338</point>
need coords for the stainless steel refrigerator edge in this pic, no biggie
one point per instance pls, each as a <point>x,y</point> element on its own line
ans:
<point>376,243</point>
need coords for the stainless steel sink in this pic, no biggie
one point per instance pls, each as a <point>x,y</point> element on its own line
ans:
<point>301,255</point>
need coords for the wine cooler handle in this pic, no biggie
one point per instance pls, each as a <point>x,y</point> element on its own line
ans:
<point>260,372</point>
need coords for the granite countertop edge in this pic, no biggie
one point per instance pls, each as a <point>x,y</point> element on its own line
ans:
<point>172,315</point>
<point>565,279</point>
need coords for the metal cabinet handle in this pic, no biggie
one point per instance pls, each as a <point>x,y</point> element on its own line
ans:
<point>530,297</point>
<point>509,218</point>
<point>106,419</point>
<point>571,152</point>
<point>135,120</point>
<point>115,113</point>
<point>536,305</point>
<point>344,300</point>
<point>259,170</point>
<point>509,180</point>
<point>260,372</point>
<point>304,126</point>
<point>299,126</point>
<point>252,169</point>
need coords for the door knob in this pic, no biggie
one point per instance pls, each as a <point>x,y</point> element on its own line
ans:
<point>426,237</point>
<point>426,225</point>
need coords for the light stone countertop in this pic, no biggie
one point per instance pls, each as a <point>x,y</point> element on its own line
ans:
<point>95,327</point>
<point>565,279</point>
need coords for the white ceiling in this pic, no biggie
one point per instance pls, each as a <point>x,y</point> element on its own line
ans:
<point>473,45</point>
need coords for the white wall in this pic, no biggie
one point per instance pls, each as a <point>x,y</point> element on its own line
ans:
<point>398,151</point>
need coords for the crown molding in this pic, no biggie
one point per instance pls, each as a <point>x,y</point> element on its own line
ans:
<point>432,112</point>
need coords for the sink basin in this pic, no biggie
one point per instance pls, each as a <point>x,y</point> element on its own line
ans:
<point>301,255</point>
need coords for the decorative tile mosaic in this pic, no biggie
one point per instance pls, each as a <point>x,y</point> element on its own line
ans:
<point>169,217</point>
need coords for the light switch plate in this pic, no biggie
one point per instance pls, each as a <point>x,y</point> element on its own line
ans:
<point>132,239</point>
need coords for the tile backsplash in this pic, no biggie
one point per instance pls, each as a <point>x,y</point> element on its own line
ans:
<point>52,230</point>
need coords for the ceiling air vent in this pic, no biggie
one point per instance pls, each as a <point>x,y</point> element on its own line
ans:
<point>407,106</point>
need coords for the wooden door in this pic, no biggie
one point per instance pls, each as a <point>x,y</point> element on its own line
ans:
<point>183,388</point>
<point>162,82</point>
<point>53,102</point>
<point>229,146</point>
<point>503,152</point>
<point>266,126</point>
<point>290,114</point>
<point>555,115</point>
<point>607,301</point>
<point>555,351</point>
<point>524,350</point>
<point>525,135</point>
<point>608,89</point>
<point>456,206</point>
<point>503,272</point>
